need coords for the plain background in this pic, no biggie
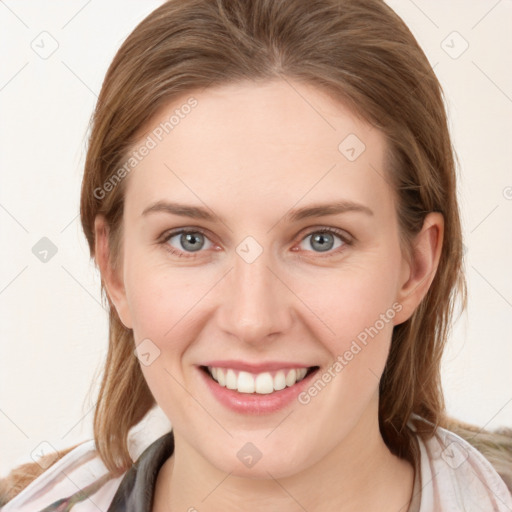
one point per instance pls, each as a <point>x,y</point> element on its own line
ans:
<point>53,326</point>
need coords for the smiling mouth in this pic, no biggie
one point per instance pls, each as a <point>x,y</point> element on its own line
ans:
<point>263,383</point>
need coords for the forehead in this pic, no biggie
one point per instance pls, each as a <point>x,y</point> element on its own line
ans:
<point>275,141</point>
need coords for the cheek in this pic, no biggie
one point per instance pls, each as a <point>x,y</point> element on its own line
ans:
<point>360,311</point>
<point>159,297</point>
<point>357,309</point>
<point>162,306</point>
<point>352,300</point>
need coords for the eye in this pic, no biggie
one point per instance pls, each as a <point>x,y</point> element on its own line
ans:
<point>323,240</point>
<point>185,241</point>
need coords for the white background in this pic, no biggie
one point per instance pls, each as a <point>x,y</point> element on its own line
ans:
<point>53,327</point>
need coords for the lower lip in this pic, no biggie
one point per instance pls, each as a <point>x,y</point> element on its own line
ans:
<point>255,403</point>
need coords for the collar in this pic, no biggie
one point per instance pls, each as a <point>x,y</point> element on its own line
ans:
<point>136,490</point>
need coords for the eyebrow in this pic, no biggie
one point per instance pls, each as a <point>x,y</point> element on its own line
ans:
<point>316,210</point>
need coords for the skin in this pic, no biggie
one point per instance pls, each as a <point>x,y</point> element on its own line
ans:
<point>250,153</point>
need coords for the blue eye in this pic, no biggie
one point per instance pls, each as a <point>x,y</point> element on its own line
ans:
<point>323,240</point>
<point>189,242</point>
<point>192,241</point>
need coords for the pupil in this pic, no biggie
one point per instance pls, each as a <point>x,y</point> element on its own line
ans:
<point>321,238</point>
<point>190,238</point>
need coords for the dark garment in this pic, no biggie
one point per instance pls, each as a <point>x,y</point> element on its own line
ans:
<point>137,488</point>
<point>450,474</point>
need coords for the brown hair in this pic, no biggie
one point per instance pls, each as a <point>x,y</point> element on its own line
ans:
<point>359,52</point>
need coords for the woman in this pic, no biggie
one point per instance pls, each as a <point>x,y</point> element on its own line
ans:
<point>303,148</point>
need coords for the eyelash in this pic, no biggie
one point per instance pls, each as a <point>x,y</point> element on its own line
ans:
<point>335,231</point>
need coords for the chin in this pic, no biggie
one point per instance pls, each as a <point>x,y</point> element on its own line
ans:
<point>258,460</point>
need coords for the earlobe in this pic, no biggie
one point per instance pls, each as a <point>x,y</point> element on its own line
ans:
<point>425,256</point>
<point>111,277</point>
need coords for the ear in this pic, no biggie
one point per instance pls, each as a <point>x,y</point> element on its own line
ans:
<point>112,277</point>
<point>419,272</point>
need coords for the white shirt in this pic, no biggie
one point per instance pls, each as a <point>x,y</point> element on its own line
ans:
<point>451,476</point>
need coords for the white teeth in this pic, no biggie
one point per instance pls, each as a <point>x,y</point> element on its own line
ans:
<point>279,380</point>
<point>245,383</point>
<point>221,377</point>
<point>231,380</point>
<point>291,377</point>
<point>301,373</point>
<point>262,383</point>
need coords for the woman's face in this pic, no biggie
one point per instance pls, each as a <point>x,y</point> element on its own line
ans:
<point>256,289</point>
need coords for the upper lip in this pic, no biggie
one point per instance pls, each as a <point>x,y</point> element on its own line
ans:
<point>267,366</point>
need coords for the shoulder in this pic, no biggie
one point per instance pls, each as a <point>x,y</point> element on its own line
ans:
<point>81,469</point>
<point>78,473</point>
<point>454,473</point>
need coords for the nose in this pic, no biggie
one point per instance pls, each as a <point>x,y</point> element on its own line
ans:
<point>254,302</point>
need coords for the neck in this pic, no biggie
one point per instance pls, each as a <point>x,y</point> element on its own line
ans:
<point>359,474</point>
